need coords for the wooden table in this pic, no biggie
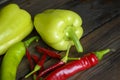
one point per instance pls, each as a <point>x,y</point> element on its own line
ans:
<point>101,24</point>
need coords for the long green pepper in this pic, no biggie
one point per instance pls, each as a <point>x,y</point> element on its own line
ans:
<point>12,59</point>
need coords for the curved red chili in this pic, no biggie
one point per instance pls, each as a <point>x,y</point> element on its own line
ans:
<point>59,64</point>
<point>48,52</point>
<point>29,59</point>
<point>74,67</point>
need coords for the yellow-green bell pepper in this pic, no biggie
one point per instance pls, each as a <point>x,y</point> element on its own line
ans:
<point>59,28</point>
<point>15,25</point>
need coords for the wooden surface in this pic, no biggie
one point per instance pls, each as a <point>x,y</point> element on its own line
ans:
<point>101,24</point>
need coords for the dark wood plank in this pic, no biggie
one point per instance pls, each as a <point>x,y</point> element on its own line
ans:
<point>94,12</point>
<point>3,1</point>
<point>103,35</point>
<point>36,6</point>
<point>101,30</point>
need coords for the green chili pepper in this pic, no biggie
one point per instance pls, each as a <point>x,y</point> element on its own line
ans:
<point>12,59</point>
<point>15,25</point>
<point>59,28</point>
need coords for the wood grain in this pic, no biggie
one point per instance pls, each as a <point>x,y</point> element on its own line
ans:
<point>101,24</point>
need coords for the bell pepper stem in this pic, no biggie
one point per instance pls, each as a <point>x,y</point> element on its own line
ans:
<point>73,36</point>
<point>65,58</point>
<point>37,67</point>
<point>29,41</point>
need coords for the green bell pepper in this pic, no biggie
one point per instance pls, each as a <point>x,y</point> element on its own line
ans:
<point>15,25</point>
<point>59,28</point>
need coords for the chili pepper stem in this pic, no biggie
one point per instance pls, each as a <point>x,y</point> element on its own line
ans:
<point>101,53</point>
<point>34,77</point>
<point>29,41</point>
<point>71,34</point>
<point>41,79</point>
<point>65,58</point>
<point>73,58</point>
<point>62,62</point>
<point>37,67</point>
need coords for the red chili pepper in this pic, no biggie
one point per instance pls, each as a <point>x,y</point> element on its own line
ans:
<point>53,67</point>
<point>35,58</point>
<point>74,67</point>
<point>28,55</point>
<point>38,66</point>
<point>48,52</point>
<point>29,59</point>
<point>59,64</point>
<point>42,60</point>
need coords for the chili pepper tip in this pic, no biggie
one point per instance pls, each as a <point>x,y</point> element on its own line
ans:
<point>29,41</point>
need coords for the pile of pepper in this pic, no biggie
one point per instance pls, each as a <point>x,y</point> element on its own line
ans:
<point>62,69</point>
<point>59,32</point>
